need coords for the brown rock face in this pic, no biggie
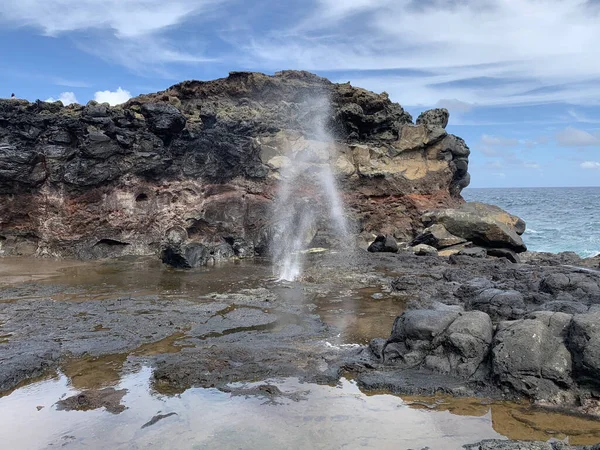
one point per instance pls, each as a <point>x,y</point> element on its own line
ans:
<point>205,158</point>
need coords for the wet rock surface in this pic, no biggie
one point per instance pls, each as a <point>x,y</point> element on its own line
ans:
<point>108,398</point>
<point>465,327</point>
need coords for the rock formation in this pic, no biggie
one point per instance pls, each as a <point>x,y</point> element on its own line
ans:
<point>531,329</point>
<point>201,160</point>
<point>473,229</point>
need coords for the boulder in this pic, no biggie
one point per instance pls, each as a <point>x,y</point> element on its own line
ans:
<point>383,244</point>
<point>424,250</point>
<point>447,341</point>
<point>584,343</point>
<point>485,225</point>
<point>530,354</point>
<point>437,236</point>
<point>435,117</point>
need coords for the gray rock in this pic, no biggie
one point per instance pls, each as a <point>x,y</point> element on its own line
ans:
<point>504,253</point>
<point>530,355</point>
<point>437,236</point>
<point>493,444</point>
<point>445,341</point>
<point>499,304</point>
<point>422,324</point>
<point>482,224</point>
<point>437,117</point>
<point>584,343</point>
<point>424,250</point>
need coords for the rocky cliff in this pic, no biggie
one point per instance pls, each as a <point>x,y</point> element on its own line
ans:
<point>204,158</point>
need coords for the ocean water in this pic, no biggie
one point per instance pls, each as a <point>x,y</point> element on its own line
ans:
<point>558,219</point>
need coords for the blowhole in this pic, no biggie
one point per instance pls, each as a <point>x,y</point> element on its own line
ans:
<point>142,198</point>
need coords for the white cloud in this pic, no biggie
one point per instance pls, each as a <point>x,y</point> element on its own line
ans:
<point>574,137</point>
<point>128,31</point>
<point>484,53</point>
<point>590,165</point>
<point>126,18</point>
<point>469,53</point>
<point>112,97</point>
<point>66,98</point>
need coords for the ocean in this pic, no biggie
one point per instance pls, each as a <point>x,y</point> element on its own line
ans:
<point>558,219</point>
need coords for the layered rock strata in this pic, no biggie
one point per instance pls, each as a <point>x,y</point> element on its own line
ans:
<point>202,160</point>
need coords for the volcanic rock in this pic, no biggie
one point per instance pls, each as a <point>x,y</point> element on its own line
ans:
<point>386,244</point>
<point>207,157</point>
<point>437,236</point>
<point>424,250</point>
<point>485,225</point>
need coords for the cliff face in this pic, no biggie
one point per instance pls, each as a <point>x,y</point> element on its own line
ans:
<point>204,159</point>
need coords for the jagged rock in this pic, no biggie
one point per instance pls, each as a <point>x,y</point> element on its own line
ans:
<point>437,236</point>
<point>383,244</point>
<point>446,341</point>
<point>435,117</point>
<point>485,225</point>
<point>424,250</point>
<point>208,156</point>
<point>530,354</point>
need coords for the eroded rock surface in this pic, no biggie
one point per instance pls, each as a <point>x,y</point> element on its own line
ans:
<point>96,181</point>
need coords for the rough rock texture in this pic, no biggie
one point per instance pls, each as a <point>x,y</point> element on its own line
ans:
<point>532,330</point>
<point>96,181</point>
<point>482,224</point>
<point>443,340</point>
<point>437,236</point>
<point>531,355</point>
<point>385,244</point>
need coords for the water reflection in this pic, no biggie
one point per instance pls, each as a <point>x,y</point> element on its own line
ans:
<point>359,314</point>
<point>303,416</point>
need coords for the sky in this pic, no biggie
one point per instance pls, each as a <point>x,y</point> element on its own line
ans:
<point>521,78</point>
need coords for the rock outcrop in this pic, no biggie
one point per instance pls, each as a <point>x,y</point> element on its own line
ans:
<point>96,181</point>
<point>531,330</point>
<point>473,229</point>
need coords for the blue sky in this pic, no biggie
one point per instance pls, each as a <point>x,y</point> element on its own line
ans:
<point>521,78</point>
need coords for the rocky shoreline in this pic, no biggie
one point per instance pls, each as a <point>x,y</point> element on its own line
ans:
<point>188,176</point>
<point>474,327</point>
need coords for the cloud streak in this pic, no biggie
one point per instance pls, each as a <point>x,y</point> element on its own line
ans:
<point>574,137</point>
<point>128,32</point>
<point>461,54</point>
<point>484,53</point>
